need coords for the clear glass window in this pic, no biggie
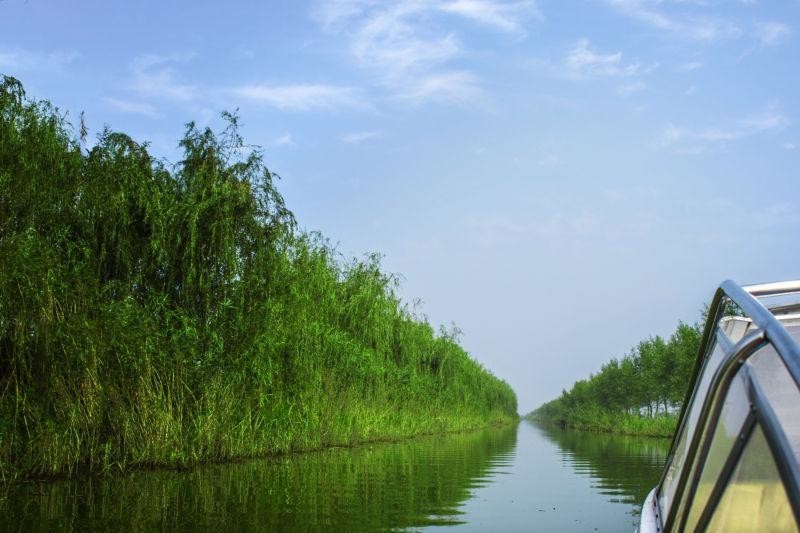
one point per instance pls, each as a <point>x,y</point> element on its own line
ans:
<point>755,499</point>
<point>734,412</point>
<point>667,492</point>
<point>781,392</point>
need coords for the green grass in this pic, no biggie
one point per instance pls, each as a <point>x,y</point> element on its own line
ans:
<point>167,315</point>
<point>598,420</point>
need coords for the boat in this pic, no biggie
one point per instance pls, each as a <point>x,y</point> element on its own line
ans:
<point>733,463</point>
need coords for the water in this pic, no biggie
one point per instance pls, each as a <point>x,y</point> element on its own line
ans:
<point>523,478</point>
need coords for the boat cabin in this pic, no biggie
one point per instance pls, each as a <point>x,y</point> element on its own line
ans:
<point>733,464</point>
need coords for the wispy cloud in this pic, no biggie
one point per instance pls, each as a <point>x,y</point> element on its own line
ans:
<point>20,59</point>
<point>283,140</point>
<point>301,97</point>
<point>689,140</point>
<point>661,15</point>
<point>570,224</point>
<point>390,42</point>
<point>359,137</point>
<point>768,120</point>
<point>445,87</point>
<point>549,161</point>
<point>137,108</point>
<point>584,62</point>
<point>506,16</point>
<point>408,44</point>
<point>154,76</point>
<point>690,66</point>
<point>772,33</point>
<point>630,88</point>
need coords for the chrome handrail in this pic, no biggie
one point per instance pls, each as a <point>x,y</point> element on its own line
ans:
<point>784,344</point>
<point>769,289</point>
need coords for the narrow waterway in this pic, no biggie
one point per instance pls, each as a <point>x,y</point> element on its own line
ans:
<point>524,478</point>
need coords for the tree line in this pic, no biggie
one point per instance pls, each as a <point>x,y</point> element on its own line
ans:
<point>640,392</point>
<point>155,314</point>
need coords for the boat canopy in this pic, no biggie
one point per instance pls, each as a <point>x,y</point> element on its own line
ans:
<point>733,465</point>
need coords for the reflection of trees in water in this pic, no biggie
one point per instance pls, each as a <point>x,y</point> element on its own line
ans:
<point>408,484</point>
<point>623,467</point>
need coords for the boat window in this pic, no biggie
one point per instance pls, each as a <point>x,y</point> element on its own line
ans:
<point>780,390</point>
<point>755,499</point>
<point>667,491</point>
<point>731,421</point>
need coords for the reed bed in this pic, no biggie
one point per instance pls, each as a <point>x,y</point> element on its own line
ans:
<point>155,314</point>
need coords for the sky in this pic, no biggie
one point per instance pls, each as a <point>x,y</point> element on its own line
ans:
<point>560,180</point>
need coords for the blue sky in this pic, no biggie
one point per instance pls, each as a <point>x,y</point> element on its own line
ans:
<point>559,179</point>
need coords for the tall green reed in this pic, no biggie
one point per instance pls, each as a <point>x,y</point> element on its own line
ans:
<point>164,315</point>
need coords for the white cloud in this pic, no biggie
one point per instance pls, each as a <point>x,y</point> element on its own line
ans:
<point>582,62</point>
<point>789,146</point>
<point>549,161</point>
<point>508,16</point>
<point>505,16</point>
<point>137,108</point>
<point>674,135</point>
<point>686,25</point>
<point>301,97</point>
<point>768,120</point>
<point>690,66</point>
<point>630,88</point>
<point>22,59</point>
<point>332,14</point>
<point>709,29</point>
<point>359,137</point>
<point>771,33</point>
<point>408,44</point>
<point>388,41</point>
<point>689,140</point>
<point>445,87</point>
<point>283,140</point>
<point>154,76</point>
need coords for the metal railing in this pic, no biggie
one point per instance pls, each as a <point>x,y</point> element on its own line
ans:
<point>770,332</point>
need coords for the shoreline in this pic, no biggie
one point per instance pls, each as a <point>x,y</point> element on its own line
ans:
<point>176,467</point>
<point>648,427</point>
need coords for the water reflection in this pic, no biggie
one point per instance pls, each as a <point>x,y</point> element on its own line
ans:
<point>524,478</point>
<point>623,468</point>
<point>407,485</point>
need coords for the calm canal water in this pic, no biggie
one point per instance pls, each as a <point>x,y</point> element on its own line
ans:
<point>523,478</point>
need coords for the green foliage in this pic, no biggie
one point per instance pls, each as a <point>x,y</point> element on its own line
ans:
<point>639,394</point>
<point>151,315</point>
